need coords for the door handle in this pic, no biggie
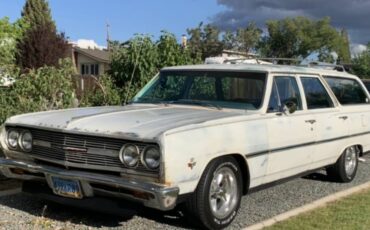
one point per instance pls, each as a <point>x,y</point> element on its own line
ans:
<point>310,121</point>
<point>343,117</point>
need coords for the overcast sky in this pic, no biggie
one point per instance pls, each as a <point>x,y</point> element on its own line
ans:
<point>86,19</point>
<point>354,15</point>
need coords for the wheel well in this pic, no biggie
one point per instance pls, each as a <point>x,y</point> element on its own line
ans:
<point>361,150</point>
<point>244,169</point>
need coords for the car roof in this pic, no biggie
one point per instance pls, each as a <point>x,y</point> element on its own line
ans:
<point>266,68</point>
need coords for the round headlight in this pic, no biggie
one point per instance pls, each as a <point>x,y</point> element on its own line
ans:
<point>12,138</point>
<point>25,141</point>
<point>129,155</point>
<point>152,157</point>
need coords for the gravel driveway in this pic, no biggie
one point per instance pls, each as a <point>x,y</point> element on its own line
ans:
<point>23,212</point>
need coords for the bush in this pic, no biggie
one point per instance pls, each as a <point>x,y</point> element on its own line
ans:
<point>46,88</point>
<point>104,93</point>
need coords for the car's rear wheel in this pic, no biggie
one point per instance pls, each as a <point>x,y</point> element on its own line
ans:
<point>217,198</point>
<point>345,169</point>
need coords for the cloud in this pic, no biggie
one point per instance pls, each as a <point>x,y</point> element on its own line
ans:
<point>87,44</point>
<point>350,14</point>
<point>357,49</point>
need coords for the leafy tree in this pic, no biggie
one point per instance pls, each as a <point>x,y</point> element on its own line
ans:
<point>248,38</point>
<point>361,64</point>
<point>41,44</point>
<point>9,33</point>
<point>170,52</point>
<point>229,41</point>
<point>37,13</point>
<point>204,42</point>
<point>133,63</point>
<point>298,37</point>
<point>105,93</point>
<point>136,61</point>
<point>43,89</point>
<point>343,50</point>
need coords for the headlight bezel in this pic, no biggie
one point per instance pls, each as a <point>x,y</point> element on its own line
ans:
<point>20,141</point>
<point>8,134</point>
<point>122,155</point>
<point>144,158</point>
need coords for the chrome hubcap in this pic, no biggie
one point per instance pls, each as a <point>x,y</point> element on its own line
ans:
<point>350,160</point>
<point>223,193</point>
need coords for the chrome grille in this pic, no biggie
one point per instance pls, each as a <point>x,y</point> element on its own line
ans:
<point>101,152</point>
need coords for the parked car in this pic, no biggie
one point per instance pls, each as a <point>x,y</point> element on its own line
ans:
<point>204,135</point>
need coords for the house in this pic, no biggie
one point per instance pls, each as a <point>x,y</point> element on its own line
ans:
<point>90,61</point>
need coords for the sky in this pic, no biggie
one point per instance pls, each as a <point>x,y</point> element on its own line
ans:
<point>86,19</point>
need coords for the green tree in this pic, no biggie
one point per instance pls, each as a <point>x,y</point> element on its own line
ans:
<point>42,89</point>
<point>41,44</point>
<point>248,38</point>
<point>136,61</point>
<point>9,33</point>
<point>361,64</point>
<point>170,52</point>
<point>298,37</point>
<point>37,13</point>
<point>204,42</point>
<point>343,50</point>
<point>229,41</point>
<point>133,63</point>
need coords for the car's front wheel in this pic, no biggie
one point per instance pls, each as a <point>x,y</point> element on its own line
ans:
<point>217,198</point>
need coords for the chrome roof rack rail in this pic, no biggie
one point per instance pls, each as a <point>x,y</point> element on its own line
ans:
<point>339,68</point>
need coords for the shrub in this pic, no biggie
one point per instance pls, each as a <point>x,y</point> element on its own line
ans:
<point>104,93</point>
<point>46,88</point>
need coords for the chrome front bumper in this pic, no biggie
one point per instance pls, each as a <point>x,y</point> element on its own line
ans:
<point>150,194</point>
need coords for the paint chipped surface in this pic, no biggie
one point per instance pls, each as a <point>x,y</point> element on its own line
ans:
<point>136,121</point>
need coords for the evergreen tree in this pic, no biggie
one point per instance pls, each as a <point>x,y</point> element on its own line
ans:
<point>37,13</point>
<point>344,51</point>
<point>41,44</point>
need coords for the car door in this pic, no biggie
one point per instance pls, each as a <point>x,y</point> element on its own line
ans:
<point>330,125</point>
<point>354,100</point>
<point>290,135</point>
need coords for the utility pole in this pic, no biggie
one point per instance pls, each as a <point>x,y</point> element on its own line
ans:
<point>108,36</point>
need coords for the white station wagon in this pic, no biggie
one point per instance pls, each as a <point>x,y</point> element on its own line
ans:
<point>202,135</point>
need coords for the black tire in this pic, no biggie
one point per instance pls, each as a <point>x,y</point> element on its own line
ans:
<point>338,172</point>
<point>199,204</point>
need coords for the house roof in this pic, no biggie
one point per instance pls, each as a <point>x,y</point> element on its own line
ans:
<point>96,54</point>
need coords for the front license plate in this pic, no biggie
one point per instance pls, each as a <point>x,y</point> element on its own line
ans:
<point>67,188</point>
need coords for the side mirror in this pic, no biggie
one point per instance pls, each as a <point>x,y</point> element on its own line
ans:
<point>289,107</point>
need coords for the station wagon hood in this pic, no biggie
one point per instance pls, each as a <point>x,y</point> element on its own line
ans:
<point>132,121</point>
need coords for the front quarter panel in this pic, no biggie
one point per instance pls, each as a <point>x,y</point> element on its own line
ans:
<point>187,153</point>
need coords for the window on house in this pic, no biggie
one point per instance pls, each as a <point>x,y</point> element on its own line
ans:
<point>347,91</point>
<point>90,69</point>
<point>316,95</point>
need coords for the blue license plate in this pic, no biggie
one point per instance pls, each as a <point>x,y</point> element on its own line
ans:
<point>67,188</point>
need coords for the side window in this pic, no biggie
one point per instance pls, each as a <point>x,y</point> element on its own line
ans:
<point>284,91</point>
<point>347,91</point>
<point>316,95</point>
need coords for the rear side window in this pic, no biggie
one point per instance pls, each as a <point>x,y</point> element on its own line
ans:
<point>316,95</point>
<point>347,91</point>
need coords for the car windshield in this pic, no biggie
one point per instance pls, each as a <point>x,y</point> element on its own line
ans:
<point>218,89</point>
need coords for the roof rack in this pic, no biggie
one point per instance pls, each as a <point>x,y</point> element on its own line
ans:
<point>336,67</point>
<point>260,60</point>
<point>293,61</point>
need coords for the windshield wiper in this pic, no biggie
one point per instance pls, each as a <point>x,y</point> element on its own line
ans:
<point>194,102</point>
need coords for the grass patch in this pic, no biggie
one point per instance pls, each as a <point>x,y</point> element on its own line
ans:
<point>350,213</point>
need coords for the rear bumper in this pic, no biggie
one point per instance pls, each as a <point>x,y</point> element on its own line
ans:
<point>150,194</point>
